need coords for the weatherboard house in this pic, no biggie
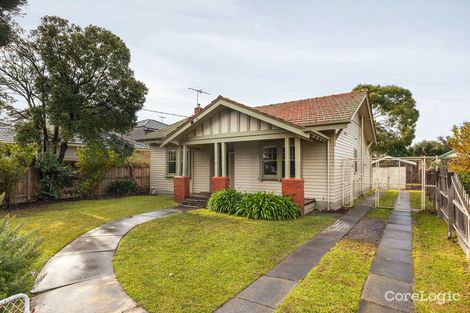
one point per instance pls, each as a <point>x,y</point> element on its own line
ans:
<point>316,150</point>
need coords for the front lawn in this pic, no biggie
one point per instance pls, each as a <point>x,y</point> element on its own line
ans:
<point>440,265</point>
<point>335,285</point>
<point>194,262</point>
<point>60,223</point>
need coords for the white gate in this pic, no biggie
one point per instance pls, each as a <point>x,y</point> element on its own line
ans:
<point>404,173</point>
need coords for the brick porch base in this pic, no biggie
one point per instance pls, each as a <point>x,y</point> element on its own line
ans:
<point>294,187</point>
<point>219,182</point>
<point>181,188</point>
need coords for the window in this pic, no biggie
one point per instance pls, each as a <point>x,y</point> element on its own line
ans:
<point>292,161</point>
<point>171,162</point>
<point>355,161</point>
<point>270,162</point>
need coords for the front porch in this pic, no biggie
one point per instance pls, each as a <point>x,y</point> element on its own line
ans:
<point>248,166</point>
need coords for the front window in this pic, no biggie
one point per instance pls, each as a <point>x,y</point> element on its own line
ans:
<point>171,161</point>
<point>270,162</point>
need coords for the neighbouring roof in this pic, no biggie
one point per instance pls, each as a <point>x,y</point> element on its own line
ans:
<point>163,132</point>
<point>448,155</point>
<point>7,134</point>
<point>151,124</point>
<point>317,111</point>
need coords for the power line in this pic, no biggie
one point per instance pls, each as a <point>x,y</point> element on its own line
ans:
<point>166,113</point>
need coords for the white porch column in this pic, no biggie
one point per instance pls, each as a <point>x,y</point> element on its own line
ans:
<point>185,161</point>
<point>224,158</point>
<point>216,159</point>
<point>287,157</point>
<point>178,161</point>
<point>297,158</point>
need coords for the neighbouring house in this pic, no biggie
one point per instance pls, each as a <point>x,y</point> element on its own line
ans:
<point>7,135</point>
<point>145,127</point>
<point>316,150</point>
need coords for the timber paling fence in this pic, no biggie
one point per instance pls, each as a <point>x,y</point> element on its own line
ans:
<point>453,205</point>
<point>25,190</point>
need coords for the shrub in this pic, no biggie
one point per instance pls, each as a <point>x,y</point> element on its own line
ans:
<point>14,163</point>
<point>258,205</point>
<point>96,159</point>
<point>18,252</point>
<point>225,201</point>
<point>268,206</point>
<point>54,176</point>
<point>124,187</point>
<point>465,180</point>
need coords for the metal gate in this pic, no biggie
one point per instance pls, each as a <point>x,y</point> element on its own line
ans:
<point>404,173</point>
<point>15,304</point>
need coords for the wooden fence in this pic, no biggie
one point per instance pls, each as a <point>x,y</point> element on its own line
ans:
<point>453,205</point>
<point>25,190</point>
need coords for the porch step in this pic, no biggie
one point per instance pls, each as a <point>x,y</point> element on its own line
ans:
<point>196,201</point>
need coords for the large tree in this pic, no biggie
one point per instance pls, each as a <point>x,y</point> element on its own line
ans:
<point>8,9</point>
<point>395,116</point>
<point>430,147</point>
<point>75,82</point>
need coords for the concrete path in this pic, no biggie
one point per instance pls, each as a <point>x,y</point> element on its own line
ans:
<point>268,291</point>
<point>80,278</point>
<point>391,272</point>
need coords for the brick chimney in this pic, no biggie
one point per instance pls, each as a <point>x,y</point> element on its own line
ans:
<point>197,110</point>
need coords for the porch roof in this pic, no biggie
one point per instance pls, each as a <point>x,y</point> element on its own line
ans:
<point>231,104</point>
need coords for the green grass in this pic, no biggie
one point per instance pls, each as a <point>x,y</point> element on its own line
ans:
<point>335,284</point>
<point>60,223</point>
<point>379,213</point>
<point>196,261</point>
<point>415,201</point>
<point>439,264</point>
<point>387,199</point>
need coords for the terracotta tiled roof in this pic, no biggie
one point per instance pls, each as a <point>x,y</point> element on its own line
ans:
<point>316,111</point>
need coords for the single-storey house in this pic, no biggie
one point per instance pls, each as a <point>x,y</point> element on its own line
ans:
<point>316,150</point>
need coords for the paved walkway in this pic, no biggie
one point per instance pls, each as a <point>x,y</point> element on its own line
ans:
<point>268,291</point>
<point>392,268</point>
<point>80,278</point>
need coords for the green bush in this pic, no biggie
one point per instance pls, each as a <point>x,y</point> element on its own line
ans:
<point>260,205</point>
<point>54,176</point>
<point>124,187</point>
<point>225,201</point>
<point>465,180</point>
<point>18,252</point>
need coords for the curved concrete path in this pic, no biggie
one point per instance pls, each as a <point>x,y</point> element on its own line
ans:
<point>80,277</point>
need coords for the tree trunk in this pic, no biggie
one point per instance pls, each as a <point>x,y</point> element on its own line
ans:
<point>63,148</point>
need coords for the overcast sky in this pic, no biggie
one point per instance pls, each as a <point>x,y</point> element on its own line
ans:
<point>260,52</point>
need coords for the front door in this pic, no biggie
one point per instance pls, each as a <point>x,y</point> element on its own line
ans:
<point>231,168</point>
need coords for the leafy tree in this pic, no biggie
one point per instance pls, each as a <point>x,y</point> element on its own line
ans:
<point>97,158</point>
<point>395,115</point>
<point>460,142</point>
<point>14,163</point>
<point>430,147</point>
<point>8,9</point>
<point>76,82</point>
<point>19,251</point>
